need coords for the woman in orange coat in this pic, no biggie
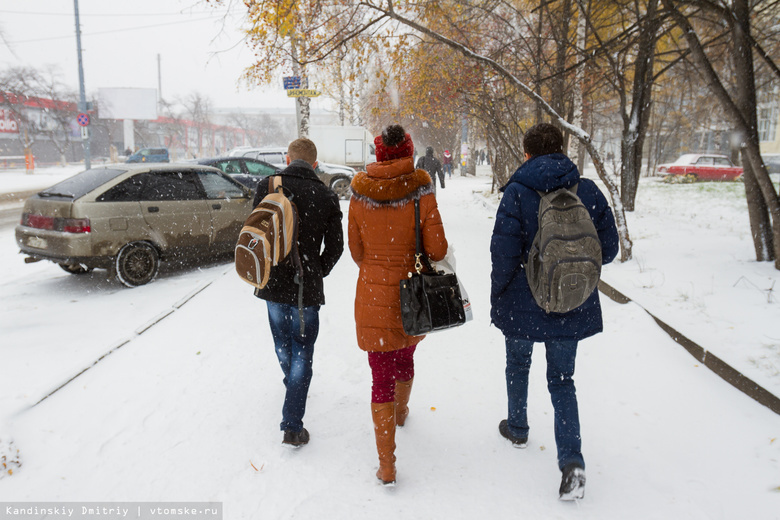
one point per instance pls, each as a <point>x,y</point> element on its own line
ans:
<point>382,243</point>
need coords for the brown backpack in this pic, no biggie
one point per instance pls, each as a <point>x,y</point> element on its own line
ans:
<point>269,236</point>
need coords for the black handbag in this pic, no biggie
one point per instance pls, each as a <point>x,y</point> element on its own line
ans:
<point>430,300</point>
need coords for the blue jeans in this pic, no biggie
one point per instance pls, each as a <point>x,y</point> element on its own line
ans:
<point>560,383</point>
<point>296,354</point>
<point>448,170</point>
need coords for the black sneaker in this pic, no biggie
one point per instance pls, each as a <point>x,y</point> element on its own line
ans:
<point>296,439</point>
<point>517,442</point>
<point>572,482</point>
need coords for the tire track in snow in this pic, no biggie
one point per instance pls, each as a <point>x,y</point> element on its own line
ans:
<point>138,332</point>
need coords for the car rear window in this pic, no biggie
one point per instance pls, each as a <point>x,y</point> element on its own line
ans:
<point>81,183</point>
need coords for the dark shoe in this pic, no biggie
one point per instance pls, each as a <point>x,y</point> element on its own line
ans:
<point>517,442</point>
<point>296,439</point>
<point>572,482</point>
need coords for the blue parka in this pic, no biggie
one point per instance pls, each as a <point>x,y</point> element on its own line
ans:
<point>513,308</point>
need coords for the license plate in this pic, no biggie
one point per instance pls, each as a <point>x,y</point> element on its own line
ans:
<point>37,242</point>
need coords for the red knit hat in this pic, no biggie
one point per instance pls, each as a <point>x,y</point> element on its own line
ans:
<point>391,146</point>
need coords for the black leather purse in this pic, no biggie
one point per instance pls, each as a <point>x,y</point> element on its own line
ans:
<point>430,299</point>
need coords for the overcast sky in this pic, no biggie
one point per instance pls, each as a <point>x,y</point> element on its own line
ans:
<point>200,47</point>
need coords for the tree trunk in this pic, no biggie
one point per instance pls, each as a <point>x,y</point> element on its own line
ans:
<point>743,57</point>
<point>561,35</point>
<point>301,103</point>
<point>539,53</point>
<point>636,125</point>
<point>745,98</point>
<point>576,152</point>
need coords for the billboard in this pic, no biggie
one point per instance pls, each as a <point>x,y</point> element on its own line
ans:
<point>127,103</point>
<point>8,122</point>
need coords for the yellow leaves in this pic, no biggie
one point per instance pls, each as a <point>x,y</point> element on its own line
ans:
<point>9,458</point>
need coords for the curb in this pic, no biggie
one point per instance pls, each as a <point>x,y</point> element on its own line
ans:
<point>718,366</point>
<point>18,196</point>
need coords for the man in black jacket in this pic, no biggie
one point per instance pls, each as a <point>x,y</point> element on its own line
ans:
<point>431,164</point>
<point>320,244</point>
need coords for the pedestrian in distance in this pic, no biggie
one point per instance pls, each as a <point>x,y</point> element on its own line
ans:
<point>447,163</point>
<point>515,311</point>
<point>431,164</point>
<point>382,243</point>
<point>320,244</point>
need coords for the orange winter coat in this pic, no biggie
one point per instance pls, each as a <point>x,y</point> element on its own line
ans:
<point>382,243</point>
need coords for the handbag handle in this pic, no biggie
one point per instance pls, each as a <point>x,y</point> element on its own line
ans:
<point>420,258</point>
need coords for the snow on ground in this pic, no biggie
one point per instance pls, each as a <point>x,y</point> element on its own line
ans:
<point>188,408</point>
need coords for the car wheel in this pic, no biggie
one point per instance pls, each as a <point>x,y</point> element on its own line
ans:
<point>137,264</point>
<point>340,185</point>
<point>75,269</point>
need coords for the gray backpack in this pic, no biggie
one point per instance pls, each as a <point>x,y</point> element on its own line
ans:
<point>564,264</point>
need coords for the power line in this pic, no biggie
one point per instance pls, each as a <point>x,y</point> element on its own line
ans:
<point>113,31</point>
<point>70,15</point>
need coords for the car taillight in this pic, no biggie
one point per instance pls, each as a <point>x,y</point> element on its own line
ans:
<point>37,221</point>
<point>72,225</point>
<point>66,225</point>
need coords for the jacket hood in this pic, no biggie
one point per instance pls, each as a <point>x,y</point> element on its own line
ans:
<point>429,151</point>
<point>391,182</point>
<point>546,173</point>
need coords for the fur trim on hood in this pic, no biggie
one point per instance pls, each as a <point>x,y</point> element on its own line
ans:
<point>393,182</point>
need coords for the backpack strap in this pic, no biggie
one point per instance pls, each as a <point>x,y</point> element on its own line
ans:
<point>274,185</point>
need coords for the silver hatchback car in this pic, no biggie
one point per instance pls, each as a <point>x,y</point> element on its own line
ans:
<point>127,218</point>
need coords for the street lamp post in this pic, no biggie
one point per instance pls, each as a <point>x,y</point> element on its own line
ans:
<point>82,96</point>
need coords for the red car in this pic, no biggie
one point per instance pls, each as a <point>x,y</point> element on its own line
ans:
<point>704,167</point>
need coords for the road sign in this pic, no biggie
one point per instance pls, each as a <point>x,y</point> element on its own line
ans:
<point>83,119</point>
<point>303,92</point>
<point>291,82</point>
<point>85,132</point>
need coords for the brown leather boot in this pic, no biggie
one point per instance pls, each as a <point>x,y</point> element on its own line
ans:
<point>403,390</point>
<point>384,430</point>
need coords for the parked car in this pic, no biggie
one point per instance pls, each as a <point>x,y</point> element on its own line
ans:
<point>337,177</point>
<point>705,167</point>
<point>245,170</point>
<point>150,155</point>
<point>128,218</point>
<point>275,156</point>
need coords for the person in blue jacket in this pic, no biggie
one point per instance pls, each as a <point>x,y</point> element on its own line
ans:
<point>522,321</point>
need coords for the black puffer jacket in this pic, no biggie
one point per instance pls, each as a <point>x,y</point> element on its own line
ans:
<point>431,164</point>
<point>319,223</point>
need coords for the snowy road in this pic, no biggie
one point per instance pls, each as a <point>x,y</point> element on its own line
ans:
<point>189,408</point>
<point>9,217</point>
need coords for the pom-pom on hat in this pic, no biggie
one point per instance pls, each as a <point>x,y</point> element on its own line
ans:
<point>394,143</point>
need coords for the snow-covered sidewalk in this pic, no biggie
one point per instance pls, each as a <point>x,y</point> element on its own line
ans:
<point>189,409</point>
